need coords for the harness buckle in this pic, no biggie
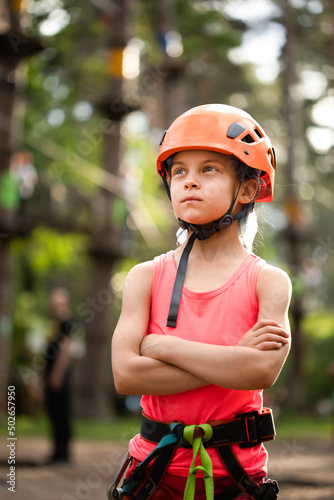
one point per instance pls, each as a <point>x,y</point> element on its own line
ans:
<point>271,490</point>
<point>243,482</point>
<point>149,486</point>
<point>251,429</point>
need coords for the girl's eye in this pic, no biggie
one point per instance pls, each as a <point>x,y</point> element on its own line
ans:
<point>209,168</point>
<point>178,171</point>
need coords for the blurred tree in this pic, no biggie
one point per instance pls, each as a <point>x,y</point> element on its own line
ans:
<point>306,63</point>
<point>94,397</point>
<point>294,232</point>
<point>14,47</point>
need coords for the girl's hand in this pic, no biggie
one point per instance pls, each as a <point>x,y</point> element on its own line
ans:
<point>154,345</point>
<point>265,335</point>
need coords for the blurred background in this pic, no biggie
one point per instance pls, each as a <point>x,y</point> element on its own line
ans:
<point>86,90</point>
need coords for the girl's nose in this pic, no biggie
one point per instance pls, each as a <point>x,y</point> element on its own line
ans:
<point>191,182</point>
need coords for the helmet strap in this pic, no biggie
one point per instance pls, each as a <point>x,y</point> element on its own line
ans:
<point>178,283</point>
<point>163,175</point>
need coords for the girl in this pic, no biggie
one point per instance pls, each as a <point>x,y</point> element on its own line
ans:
<point>204,328</point>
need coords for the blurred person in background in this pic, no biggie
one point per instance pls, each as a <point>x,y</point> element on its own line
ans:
<point>57,374</point>
<point>23,171</point>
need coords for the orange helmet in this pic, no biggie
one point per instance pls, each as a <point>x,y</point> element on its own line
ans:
<point>225,129</point>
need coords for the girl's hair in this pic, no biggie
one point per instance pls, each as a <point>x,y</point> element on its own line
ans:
<point>247,229</point>
<point>247,226</point>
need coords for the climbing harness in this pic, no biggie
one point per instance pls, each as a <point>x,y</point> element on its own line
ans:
<point>246,430</point>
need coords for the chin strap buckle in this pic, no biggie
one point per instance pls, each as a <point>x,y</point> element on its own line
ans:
<point>225,222</point>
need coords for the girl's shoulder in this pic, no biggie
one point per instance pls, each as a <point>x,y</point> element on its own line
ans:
<point>140,276</point>
<point>142,269</point>
<point>145,270</point>
<point>144,276</point>
<point>269,271</point>
<point>275,281</point>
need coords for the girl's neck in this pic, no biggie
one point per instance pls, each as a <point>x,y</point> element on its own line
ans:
<point>212,262</point>
<point>226,243</point>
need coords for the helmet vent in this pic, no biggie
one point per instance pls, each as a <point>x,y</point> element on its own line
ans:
<point>248,138</point>
<point>272,157</point>
<point>162,138</point>
<point>258,133</point>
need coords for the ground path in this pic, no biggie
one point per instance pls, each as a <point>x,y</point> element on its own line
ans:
<point>303,467</point>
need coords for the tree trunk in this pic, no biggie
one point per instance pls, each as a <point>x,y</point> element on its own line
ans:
<point>95,385</point>
<point>294,231</point>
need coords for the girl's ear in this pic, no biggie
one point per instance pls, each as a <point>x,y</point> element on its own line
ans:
<point>248,191</point>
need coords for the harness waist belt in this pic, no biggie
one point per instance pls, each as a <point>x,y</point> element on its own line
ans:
<point>246,429</point>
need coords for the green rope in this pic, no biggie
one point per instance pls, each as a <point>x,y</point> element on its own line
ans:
<point>206,467</point>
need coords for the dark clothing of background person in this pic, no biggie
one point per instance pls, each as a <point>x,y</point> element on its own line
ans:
<point>57,388</point>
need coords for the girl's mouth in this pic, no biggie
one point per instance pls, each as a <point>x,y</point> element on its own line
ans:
<point>190,199</point>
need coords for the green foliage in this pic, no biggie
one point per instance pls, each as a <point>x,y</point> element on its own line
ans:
<point>115,430</point>
<point>9,192</point>
<point>50,252</point>
<point>320,326</point>
<point>205,29</point>
<point>292,426</point>
<point>319,354</point>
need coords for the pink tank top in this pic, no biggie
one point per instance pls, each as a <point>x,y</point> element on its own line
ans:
<point>220,317</point>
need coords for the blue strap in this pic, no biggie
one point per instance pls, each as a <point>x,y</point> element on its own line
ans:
<point>167,442</point>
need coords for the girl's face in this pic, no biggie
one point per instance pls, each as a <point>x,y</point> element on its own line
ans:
<point>203,185</point>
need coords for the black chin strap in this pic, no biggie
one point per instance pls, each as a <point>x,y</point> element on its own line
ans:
<point>204,232</point>
<point>178,284</point>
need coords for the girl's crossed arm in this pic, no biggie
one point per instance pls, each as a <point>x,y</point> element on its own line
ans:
<point>256,361</point>
<point>133,373</point>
